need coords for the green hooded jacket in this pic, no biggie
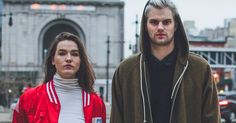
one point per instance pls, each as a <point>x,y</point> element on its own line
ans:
<point>194,96</point>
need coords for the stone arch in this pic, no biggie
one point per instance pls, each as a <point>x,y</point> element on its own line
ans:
<point>54,27</point>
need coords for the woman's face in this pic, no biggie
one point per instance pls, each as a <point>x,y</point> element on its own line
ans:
<point>67,59</point>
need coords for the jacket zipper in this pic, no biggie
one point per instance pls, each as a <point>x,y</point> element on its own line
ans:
<point>175,90</point>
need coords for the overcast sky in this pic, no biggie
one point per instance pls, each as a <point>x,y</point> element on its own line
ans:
<point>205,13</point>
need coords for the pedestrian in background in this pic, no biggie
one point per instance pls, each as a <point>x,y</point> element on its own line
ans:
<point>67,95</point>
<point>165,83</point>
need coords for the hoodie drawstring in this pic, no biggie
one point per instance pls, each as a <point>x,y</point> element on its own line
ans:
<point>141,88</point>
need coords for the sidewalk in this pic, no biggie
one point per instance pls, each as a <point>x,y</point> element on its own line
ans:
<point>5,117</point>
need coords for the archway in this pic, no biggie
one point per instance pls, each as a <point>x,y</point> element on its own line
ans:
<point>52,29</point>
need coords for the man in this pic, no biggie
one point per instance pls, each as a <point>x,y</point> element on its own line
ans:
<point>164,83</point>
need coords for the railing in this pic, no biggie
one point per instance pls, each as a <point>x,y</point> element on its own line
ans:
<point>218,57</point>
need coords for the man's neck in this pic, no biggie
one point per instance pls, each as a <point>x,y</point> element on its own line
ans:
<point>160,52</point>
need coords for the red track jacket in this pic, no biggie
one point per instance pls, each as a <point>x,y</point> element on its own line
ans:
<point>41,105</point>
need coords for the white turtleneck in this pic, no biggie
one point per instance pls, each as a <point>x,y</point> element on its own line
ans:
<point>70,97</point>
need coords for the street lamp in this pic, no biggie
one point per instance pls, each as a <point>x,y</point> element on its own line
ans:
<point>136,35</point>
<point>45,54</point>
<point>10,23</point>
<point>107,67</point>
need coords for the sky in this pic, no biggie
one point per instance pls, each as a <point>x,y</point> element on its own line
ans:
<point>205,13</point>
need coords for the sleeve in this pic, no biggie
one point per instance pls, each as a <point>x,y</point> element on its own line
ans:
<point>211,110</point>
<point>117,105</point>
<point>98,114</point>
<point>18,113</point>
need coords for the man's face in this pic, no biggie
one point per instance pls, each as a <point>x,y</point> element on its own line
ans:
<point>161,27</point>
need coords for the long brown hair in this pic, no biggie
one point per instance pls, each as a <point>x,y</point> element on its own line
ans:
<point>85,75</point>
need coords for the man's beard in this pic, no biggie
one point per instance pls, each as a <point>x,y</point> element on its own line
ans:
<point>163,43</point>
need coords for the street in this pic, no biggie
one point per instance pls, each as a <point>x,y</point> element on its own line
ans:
<point>5,117</point>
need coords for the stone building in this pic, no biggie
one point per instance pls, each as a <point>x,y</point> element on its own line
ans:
<point>35,24</point>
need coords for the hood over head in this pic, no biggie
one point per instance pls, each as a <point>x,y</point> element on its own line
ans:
<point>180,38</point>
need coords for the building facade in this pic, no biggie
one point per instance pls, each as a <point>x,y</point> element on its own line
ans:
<point>35,23</point>
<point>217,46</point>
<point>221,58</point>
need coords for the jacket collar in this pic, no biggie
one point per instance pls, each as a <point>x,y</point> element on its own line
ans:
<point>52,95</point>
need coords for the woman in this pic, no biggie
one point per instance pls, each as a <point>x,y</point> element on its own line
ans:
<point>67,95</point>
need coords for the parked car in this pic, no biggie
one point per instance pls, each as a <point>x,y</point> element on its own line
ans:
<point>227,102</point>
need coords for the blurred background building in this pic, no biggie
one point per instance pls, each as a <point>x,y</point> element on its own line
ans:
<point>218,47</point>
<point>28,28</point>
